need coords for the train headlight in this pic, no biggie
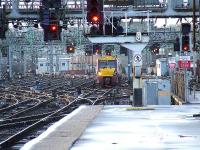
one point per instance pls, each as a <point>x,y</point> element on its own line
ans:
<point>99,73</point>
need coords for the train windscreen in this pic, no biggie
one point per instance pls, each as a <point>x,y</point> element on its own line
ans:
<point>107,64</point>
<point>112,63</point>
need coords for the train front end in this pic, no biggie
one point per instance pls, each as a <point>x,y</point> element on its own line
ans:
<point>107,71</point>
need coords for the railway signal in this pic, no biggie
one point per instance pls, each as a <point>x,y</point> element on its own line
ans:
<point>51,26</point>
<point>70,49</point>
<point>96,49</point>
<point>155,48</point>
<point>185,30</point>
<point>95,11</point>
<point>52,32</point>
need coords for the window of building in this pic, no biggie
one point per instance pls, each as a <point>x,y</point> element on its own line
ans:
<point>41,65</point>
<point>63,64</point>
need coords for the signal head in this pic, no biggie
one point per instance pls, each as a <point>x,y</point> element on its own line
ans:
<point>185,47</point>
<point>53,27</point>
<point>95,18</point>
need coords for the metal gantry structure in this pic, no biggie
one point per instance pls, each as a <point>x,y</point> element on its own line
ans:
<point>29,44</point>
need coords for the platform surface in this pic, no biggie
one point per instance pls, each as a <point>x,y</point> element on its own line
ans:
<point>160,128</point>
<point>194,97</point>
<point>62,134</point>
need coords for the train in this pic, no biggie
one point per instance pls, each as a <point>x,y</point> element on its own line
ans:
<point>107,70</point>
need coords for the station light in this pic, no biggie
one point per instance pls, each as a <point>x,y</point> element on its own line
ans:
<point>95,11</point>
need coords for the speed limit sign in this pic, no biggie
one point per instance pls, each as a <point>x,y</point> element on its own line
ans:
<point>138,36</point>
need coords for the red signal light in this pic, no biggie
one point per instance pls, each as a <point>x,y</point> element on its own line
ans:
<point>70,49</point>
<point>185,47</point>
<point>186,43</point>
<point>95,11</point>
<point>95,18</point>
<point>97,50</point>
<point>53,27</point>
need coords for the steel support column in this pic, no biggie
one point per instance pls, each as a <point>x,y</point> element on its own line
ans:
<point>129,66</point>
<point>0,65</point>
<point>51,60</point>
<point>10,62</point>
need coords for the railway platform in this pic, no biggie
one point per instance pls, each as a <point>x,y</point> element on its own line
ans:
<point>194,97</point>
<point>62,134</point>
<point>124,128</point>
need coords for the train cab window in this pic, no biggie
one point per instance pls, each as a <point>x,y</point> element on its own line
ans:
<point>105,64</point>
<point>102,64</point>
<point>112,64</point>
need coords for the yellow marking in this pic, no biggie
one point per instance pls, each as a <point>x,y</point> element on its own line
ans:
<point>163,93</point>
<point>139,108</point>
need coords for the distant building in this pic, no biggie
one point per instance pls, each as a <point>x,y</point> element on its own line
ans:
<point>62,65</point>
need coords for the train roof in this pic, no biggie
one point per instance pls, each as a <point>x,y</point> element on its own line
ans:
<point>107,58</point>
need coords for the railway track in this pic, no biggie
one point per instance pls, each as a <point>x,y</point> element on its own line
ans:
<point>20,118</point>
<point>18,128</point>
<point>18,108</point>
<point>25,126</point>
<point>4,102</point>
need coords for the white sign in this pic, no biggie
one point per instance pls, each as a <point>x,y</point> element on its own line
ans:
<point>137,58</point>
<point>184,58</point>
<point>172,60</point>
<point>138,36</point>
